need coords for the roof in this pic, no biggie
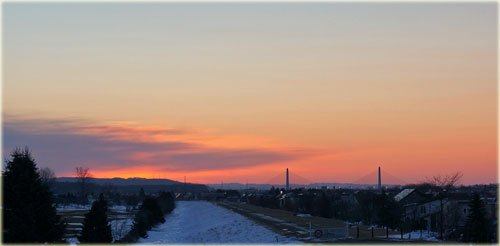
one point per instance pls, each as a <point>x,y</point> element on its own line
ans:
<point>404,193</point>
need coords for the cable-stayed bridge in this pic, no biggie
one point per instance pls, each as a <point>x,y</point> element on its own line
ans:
<point>370,179</point>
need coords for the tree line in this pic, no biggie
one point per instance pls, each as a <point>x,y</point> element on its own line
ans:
<point>151,212</point>
<point>29,210</point>
<point>97,229</point>
<point>374,208</point>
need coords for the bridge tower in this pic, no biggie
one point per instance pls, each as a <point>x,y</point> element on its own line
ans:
<point>379,180</point>
<point>287,180</point>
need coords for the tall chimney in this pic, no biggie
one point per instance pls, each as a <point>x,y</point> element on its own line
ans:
<point>379,181</point>
<point>287,180</point>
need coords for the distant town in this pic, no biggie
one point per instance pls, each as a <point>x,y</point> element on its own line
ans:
<point>436,210</point>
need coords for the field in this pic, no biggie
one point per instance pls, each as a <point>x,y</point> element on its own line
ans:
<point>120,219</point>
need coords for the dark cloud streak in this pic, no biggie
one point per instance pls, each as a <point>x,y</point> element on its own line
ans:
<point>63,146</point>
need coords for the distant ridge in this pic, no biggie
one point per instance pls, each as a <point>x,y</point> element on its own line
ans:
<point>64,185</point>
<point>123,181</point>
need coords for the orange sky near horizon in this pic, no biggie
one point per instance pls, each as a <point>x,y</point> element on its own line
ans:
<point>239,92</point>
<point>256,160</point>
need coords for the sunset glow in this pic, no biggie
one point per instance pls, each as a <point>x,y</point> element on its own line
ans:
<point>239,92</point>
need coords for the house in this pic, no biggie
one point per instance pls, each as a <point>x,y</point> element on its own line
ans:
<point>491,204</point>
<point>456,209</point>
<point>419,207</point>
<point>409,196</point>
<point>428,213</point>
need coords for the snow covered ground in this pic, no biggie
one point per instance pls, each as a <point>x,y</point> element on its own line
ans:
<point>204,222</point>
<point>417,235</point>
<point>121,227</point>
<point>121,221</point>
<point>73,207</point>
<point>86,207</point>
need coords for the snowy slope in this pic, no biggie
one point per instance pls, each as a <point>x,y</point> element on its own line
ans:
<point>204,222</point>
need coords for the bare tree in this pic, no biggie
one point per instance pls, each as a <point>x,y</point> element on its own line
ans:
<point>83,175</point>
<point>47,175</point>
<point>445,181</point>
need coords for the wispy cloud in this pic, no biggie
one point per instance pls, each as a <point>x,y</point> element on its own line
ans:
<point>63,144</point>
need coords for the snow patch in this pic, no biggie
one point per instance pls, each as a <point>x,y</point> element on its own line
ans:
<point>417,235</point>
<point>204,222</point>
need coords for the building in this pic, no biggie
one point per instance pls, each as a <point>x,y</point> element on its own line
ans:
<point>427,213</point>
<point>409,196</point>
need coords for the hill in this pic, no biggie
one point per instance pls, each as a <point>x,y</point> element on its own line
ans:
<point>130,185</point>
<point>123,181</point>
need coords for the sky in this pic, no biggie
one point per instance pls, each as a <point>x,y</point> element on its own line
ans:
<point>237,92</point>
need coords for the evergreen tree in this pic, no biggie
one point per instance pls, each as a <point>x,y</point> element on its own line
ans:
<point>166,202</point>
<point>141,224</point>
<point>156,215</point>
<point>272,191</point>
<point>96,227</point>
<point>307,203</point>
<point>142,194</point>
<point>366,207</point>
<point>149,214</point>
<point>324,206</point>
<point>476,227</point>
<point>29,214</point>
<point>388,212</point>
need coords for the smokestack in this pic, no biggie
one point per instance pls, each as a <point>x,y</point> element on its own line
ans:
<point>287,180</point>
<point>379,181</point>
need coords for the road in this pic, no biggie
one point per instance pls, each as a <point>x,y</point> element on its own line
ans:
<point>287,224</point>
